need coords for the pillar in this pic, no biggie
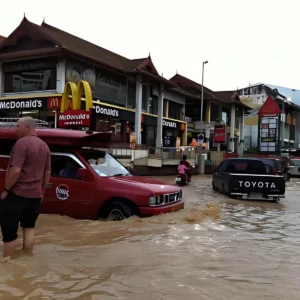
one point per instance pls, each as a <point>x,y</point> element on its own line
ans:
<point>207,123</point>
<point>220,113</point>
<point>232,125</point>
<point>148,98</point>
<point>61,76</point>
<point>138,109</point>
<point>159,133</point>
<point>241,130</point>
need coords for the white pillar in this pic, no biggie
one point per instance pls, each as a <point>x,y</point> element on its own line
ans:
<point>159,133</point>
<point>232,125</point>
<point>61,76</point>
<point>148,98</point>
<point>241,129</point>
<point>138,109</point>
<point>1,81</point>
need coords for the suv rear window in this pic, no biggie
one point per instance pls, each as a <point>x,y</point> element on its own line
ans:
<point>246,167</point>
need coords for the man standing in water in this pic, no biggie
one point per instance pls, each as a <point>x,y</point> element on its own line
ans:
<point>28,173</point>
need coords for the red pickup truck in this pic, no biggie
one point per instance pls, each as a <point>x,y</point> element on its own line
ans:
<point>87,183</point>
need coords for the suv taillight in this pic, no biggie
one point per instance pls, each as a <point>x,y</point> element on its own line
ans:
<point>274,171</point>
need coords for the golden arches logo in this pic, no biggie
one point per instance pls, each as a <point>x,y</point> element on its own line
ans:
<point>76,92</point>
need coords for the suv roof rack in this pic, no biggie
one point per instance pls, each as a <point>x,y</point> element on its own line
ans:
<point>12,122</point>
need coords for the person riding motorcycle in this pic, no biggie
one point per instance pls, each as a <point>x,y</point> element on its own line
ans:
<point>187,164</point>
<point>182,169</point>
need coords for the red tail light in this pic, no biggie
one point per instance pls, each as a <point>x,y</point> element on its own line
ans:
<point>274,171</point>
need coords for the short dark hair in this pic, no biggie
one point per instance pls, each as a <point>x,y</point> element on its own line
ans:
<point>184,157</point>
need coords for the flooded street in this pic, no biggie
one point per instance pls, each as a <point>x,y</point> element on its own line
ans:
<point>217,248</point>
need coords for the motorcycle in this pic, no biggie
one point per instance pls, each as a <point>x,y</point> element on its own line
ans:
<point>181,179</point>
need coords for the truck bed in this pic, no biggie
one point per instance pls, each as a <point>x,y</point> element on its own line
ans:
<point>256,186</point>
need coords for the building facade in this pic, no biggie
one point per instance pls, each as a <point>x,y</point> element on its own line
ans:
<point>129,96</point>
<point>288,132</point>
<point>221,109</point>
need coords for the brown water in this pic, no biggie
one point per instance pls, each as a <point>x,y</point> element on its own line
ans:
<point>217,248</point>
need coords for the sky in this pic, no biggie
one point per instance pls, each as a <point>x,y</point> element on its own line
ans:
<point>244,41</point>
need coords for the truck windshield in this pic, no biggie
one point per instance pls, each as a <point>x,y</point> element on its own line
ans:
<point>105,165</point>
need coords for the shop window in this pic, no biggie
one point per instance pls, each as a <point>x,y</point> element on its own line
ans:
<point>29,81</point>
<point>175,110</point>
<point>153,108</point>
<point>131,94</point>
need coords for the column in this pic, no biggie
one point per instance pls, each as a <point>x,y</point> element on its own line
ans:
<point>220,113</point>
<point>232,125</point>
<point>241,129</point>
<point>61,76</point>
<point>159,133</point>
<point>148,98</point>
<point>1,81</point>
<point>207,123</point>
<point>138,109</point>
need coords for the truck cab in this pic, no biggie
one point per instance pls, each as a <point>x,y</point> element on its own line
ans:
<point>88,183</point>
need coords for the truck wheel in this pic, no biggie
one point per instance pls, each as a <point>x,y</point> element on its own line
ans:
<point>214,187</point>
<point>117,211</point>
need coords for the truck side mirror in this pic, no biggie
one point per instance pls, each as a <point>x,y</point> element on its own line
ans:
<point>82,174</point>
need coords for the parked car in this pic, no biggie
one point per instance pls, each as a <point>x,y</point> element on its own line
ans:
<point>276,166</point>
<point>102,188</point>
<point>249,179</point>
<point>294,167</point>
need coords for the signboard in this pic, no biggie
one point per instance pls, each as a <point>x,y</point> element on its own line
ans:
<point>55,102</point>
<point>220,134</point>
<point>269,108</point>
<point>132,140</point>
<point>200,138</point>
<point>76,93</point>
<point>169,124</point>
<point>106,111</point>
<point>78,117</point>
<point>268,131</point>
<point>24,104</point>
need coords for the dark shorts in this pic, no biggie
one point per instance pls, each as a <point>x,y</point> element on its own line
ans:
<point>15,210</point>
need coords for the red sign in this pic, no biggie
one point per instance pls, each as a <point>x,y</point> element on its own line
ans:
<point>220,134</point>
<point>269,108</point>
<point>53,102</point>
<point>74,118</point>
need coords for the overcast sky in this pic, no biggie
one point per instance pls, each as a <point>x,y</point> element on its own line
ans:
<point>244,41</point>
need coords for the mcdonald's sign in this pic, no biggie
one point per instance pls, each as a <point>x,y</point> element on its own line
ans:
<point>53,102</point>
<point>76,92</point>
<point>71,113</point>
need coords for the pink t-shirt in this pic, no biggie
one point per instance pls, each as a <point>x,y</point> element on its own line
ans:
<point>181,169</point>
<point>33,156</point>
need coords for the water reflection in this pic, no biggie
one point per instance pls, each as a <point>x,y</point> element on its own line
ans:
<point>217,248</point>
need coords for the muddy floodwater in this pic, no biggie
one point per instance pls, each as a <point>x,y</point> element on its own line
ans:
<point>217,248</point>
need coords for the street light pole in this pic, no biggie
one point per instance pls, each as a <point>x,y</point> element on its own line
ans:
<point>201,110</point>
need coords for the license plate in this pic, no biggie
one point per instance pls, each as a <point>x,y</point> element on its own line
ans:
<point>178,179</point>
<point>255,195</point>
<point>175,208</point>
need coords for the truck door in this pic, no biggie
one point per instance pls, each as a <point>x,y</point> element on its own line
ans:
<point>66,194</point>
<point>218,176</point>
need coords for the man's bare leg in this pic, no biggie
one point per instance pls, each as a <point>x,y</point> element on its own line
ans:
<point>28,240</point>
<point>9,249</point>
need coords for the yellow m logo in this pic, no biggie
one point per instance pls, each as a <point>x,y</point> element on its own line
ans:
<point>76,92</point>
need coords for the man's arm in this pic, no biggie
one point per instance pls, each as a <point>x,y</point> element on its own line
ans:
<point>47,173</point>
<point>17,161</point>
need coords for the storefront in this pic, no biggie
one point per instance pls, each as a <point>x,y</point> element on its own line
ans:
<point>114,119</point>
<point>173,131</point>
<point>43,108</point>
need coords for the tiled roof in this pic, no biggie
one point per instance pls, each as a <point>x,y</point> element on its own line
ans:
<point>2,38</point>
<point>230,97</point>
